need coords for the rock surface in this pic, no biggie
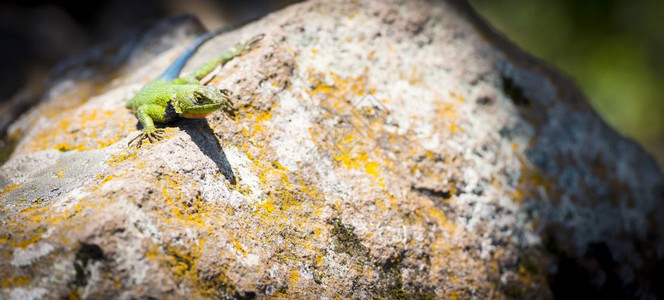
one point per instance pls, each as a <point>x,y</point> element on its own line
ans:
<point>384,149</point>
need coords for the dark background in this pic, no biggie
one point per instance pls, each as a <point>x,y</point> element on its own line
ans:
<point>35,34</point>
<point>614,49</point>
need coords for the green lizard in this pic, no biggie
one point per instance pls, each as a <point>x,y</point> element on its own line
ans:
<point>170,97</point>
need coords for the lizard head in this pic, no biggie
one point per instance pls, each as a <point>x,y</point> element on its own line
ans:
<point>202,101</point>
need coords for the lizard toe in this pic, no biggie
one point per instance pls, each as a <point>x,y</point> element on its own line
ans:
<point>155,135</point>
<point>152,136</point>
<point>136,141</point>
<point>251,43</point>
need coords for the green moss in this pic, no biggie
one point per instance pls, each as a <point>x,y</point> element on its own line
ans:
<point>426,296</point>
<point>392,281</point>
<point>86,254</point>
<point>396,289</point>
<point>392,285</point>
<point>346,241</point>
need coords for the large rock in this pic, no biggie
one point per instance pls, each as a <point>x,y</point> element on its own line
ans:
<point>390,149</point>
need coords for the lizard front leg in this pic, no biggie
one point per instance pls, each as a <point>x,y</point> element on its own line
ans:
<point>146,114</point>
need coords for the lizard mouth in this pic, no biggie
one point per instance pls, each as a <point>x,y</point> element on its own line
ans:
<point>195,115</point>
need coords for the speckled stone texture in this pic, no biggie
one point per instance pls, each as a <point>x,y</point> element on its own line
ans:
<point>380,149</point>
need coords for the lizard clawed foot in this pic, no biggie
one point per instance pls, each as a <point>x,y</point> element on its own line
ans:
<point>227,105</point>
<point>251,43</point>
<point>154,135</point>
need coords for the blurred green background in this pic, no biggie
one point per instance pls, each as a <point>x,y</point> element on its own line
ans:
<point>613,49</point>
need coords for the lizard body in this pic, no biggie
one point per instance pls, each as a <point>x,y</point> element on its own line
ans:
<point>170,97</point>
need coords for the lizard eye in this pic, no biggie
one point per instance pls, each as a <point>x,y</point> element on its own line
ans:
<point>198,98</point>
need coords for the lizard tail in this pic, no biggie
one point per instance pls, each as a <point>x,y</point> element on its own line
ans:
<point>173,71</point>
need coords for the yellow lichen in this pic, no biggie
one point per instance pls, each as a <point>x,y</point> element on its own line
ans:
<point>293,277</point>
<point>27,240</point>
<point>122,156</point>
<point>80,130</point>
<point>372,168</point>
<point>8,189</point>
<point>447,112</point>
<point>381,204</point>
<point>441,219</point>
<point>530,182</point>
<point>181,263</point>
<point>238,246</point>
<point>14,282</point>
<point>454,295</point>
<point>458,97</point>
<point>288,201</point>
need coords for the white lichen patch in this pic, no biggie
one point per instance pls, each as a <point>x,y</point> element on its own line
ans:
<point>243,168</point>
<point>24,257</point>
<point>292,141</point>
<point>27,294</point>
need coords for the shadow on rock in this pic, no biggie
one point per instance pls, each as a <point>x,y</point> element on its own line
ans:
<point>203,136</point>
